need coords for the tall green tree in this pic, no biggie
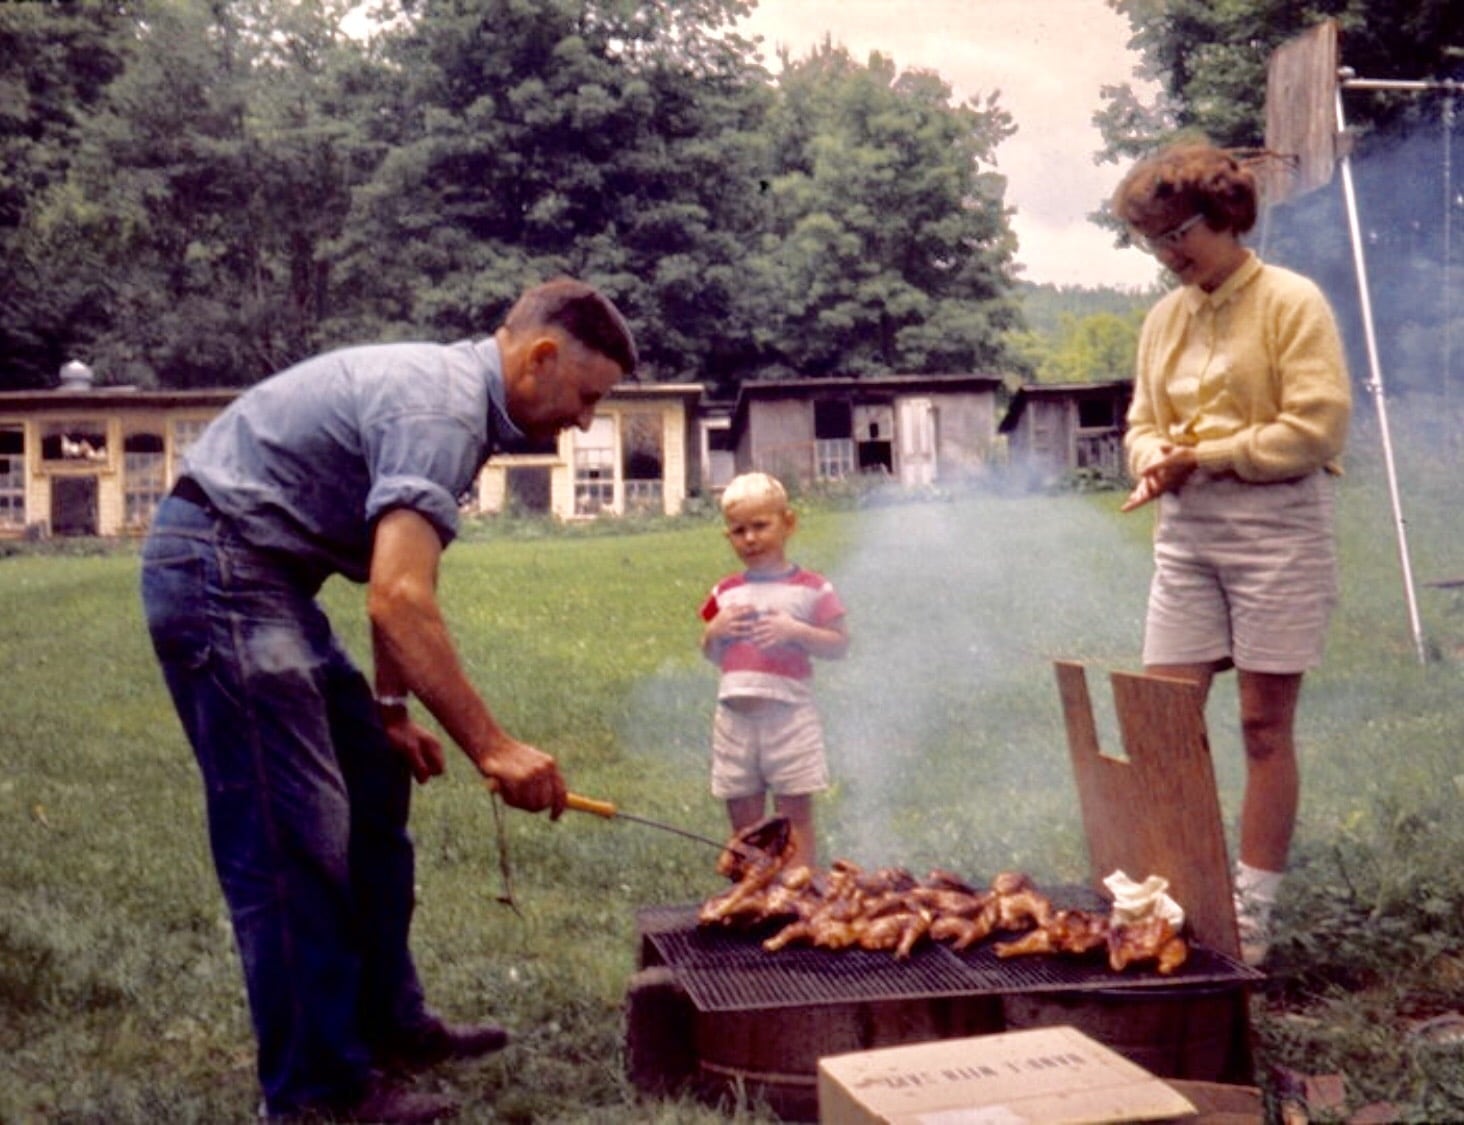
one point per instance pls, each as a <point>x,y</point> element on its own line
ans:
<point>56,61</point>
<point>614,140</point>
<point>196,194</point>
<point>890,231</point>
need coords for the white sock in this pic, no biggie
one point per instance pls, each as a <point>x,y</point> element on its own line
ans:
<point>1256,884</point>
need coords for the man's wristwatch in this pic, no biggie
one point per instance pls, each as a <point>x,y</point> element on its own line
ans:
<point>392,702</point>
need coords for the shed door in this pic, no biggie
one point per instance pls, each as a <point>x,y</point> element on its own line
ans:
<point>74,505</point>
<point>528,488</point>
<point>917,441</point>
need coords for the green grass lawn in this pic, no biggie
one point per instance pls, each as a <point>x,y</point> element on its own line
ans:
<point>120,996</point>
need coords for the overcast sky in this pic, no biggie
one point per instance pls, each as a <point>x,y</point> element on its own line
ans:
<point>1048,59</point>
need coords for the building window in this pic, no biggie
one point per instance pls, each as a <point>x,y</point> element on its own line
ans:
<point>642,462</point>
<point>594,468</point>
<point>1096,413</point>
<point>834,458</point>
<point>185,432</point>
<point>144,478</point>
<point>74,442</point>
<point>12,476</point>
<point>874,434</point>
<point>833,418</point>
<point>833,432</point>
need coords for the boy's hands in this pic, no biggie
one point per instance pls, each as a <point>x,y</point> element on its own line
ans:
<point>744,623</point>
<point>777,627</point>
<point>732,623</point>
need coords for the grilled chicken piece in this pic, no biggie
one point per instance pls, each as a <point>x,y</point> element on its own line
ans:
<point>770,840</point>
<point>883,933</point>
<point>821,929</point>
<point>1018,905</point>
<point>743,900</point>
<point>758,898</point>
<point>834,933</point>
<point>789,892</point>
<point>790,934</point>
<point>1152,939</point>
<point>943,880</point>
<point>898,932</point>
<point>962,932</point>
<point>947,902</point>
<point>1073,932</point>
<point>916,928</point>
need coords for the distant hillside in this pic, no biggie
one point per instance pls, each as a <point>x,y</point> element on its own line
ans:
<point>1044,306</point>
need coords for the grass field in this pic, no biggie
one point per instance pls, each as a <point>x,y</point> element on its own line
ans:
<point>120,996</point>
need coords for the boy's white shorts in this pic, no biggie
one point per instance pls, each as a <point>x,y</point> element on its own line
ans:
<point>769,747</point>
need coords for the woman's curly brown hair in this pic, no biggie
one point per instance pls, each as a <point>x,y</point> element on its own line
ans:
<point>1188,179</point>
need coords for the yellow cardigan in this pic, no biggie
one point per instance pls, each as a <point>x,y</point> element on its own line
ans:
<point>1252,375</point>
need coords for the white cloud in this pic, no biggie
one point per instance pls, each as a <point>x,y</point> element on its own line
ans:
<point>1048,59</point>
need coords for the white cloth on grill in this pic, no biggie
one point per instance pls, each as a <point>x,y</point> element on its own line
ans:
<point>1135,902</point>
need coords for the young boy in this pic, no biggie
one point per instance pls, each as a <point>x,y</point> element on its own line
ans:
<point>762,627</point>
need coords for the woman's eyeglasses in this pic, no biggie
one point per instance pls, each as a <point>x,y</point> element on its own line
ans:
<point>1153,243</point>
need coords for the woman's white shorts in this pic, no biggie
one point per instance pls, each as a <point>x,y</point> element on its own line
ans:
<point>1243,571</point>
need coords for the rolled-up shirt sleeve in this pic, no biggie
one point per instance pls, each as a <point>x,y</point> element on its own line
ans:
<point>422,462</point>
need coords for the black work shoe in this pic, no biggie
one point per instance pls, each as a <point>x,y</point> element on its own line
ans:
<point>435,1041</point>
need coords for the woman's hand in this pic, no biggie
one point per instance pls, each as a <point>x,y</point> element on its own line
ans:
<point>1167,474</point>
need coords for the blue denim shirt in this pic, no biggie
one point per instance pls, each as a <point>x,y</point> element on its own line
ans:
<point>305,462</point>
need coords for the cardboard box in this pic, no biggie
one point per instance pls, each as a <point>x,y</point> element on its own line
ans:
<point>1050,1074</point>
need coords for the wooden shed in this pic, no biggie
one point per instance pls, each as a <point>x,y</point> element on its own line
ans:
<point>1055,429</point>
<point>917,429</point>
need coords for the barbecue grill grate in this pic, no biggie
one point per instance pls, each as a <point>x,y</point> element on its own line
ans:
<point>725,970</point>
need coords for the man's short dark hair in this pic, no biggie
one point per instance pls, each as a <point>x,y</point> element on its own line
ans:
<point>580,311</point>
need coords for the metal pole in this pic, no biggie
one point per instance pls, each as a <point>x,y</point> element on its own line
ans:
<point>1375,385</point>
<point>1448,282</point>
<point>1351,82</point>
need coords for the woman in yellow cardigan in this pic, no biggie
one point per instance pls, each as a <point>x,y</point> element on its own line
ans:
<point>1240,411</point>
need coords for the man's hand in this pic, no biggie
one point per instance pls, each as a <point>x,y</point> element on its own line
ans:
<point>421,748</point>
<point>526,778</point>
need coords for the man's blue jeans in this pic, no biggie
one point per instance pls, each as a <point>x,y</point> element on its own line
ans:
<point>307,803</point>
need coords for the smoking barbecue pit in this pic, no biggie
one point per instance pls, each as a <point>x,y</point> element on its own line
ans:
<point>713,1011</point>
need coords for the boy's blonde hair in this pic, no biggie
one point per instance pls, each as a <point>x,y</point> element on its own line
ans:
<point>758,488</point>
